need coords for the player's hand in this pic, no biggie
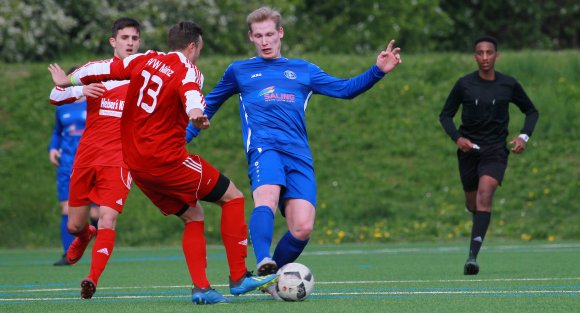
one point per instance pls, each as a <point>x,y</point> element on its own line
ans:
<point>465,144</point>
<point>54,156</point>
<point>93,90</point>
<point>388,59</point>
<point>519,145</point>
<point>201,122</point>
<point>59,77</point>
<point>198,119</point>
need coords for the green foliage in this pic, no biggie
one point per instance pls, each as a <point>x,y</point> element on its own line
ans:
<point>518,24</point>
<point>35,30</point>
<point>386,171</point>
<point>368,25</point>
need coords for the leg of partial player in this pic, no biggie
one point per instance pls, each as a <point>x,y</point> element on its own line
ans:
<point>262,226</point>
<point>486,188</point>
<point>300,215</point>
<point>78,227</point>
<point>102,250</point>
<point>234,232</point>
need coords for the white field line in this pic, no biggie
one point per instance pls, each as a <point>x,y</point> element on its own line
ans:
<point>513,248</point>
<point>367,282</point>
<point>372,293</point>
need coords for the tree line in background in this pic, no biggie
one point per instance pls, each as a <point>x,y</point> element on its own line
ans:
<point>40,30</point>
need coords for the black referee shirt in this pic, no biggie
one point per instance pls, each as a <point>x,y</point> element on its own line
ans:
<point>485,114</point>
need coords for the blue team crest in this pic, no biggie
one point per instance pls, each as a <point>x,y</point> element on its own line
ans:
<point>290,74</point>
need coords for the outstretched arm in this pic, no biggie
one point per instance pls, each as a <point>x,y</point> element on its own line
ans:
<point>324,84</point>
<point>59,77</point>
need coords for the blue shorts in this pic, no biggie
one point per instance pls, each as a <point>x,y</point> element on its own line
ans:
<point>294,174</point>
<point>62,183</point>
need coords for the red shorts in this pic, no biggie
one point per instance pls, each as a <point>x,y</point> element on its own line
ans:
<point>102,185</point>
<point>178,185</point>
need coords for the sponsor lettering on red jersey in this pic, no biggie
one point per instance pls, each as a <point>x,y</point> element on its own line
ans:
<point>101,140</point>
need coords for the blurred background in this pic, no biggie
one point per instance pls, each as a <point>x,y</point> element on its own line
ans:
<point>386,170</point>
<point>33,30</point>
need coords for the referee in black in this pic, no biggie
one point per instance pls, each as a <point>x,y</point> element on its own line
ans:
<point>481,139</point>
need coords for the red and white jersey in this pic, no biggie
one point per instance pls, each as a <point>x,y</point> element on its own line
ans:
<point>162,89</point>
<point>101,140</point>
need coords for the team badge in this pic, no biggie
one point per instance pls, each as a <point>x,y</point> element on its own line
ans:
<point>290,74</point>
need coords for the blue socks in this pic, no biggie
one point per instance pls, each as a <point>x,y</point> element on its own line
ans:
<point>65,237</point>
<point>288,249</point>
<point>261,231</point>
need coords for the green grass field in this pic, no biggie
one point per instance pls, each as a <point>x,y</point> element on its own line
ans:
<point>418,277</point>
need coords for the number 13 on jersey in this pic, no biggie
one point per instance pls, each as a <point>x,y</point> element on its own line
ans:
<point>151,91</point>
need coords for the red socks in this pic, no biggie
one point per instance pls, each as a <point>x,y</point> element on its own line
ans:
<point>193,244</point>
<point>102,250</point>
<point>235,237</point>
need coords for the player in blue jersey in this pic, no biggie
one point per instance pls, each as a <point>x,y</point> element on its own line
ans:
<point>273,95</point>
<point>68,127</point>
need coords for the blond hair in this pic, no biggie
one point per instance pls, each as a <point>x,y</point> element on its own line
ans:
<point>263,14</point>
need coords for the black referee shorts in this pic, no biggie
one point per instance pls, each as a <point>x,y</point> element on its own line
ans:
<point>488,160</point>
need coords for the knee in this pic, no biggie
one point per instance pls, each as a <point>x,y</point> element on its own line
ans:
<point>236,193</point>
<point>107,218</point>
<point>74,228</point>
<point>302,232</point>
<point>471,207</point>
<point>231,193</point>
<point>484,197</point>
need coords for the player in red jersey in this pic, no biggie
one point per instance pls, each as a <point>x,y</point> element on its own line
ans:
<point>164,94</point>
<point>99,174</point>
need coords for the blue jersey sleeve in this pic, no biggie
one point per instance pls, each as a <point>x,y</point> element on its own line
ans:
<point>328,85</point>
<point>56,138</point>
<point>225,88</point>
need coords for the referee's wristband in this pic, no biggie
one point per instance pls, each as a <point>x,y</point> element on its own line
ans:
<point>524,137</point>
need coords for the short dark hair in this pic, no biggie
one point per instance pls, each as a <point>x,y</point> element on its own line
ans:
<point>486,38</point>
<point>124,22</point>
<point>183,34</point>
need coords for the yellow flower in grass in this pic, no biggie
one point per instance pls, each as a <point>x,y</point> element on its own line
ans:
<point>551,237</point>
<point>526,237</point>
<point>341,234</point>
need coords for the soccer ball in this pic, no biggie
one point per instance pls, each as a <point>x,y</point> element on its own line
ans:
<point>295,282</point>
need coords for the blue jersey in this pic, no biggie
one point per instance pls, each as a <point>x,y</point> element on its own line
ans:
<point>68,128</point>
<point>273,96</point>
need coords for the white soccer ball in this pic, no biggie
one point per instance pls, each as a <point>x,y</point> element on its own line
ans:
<point>295,282</point>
